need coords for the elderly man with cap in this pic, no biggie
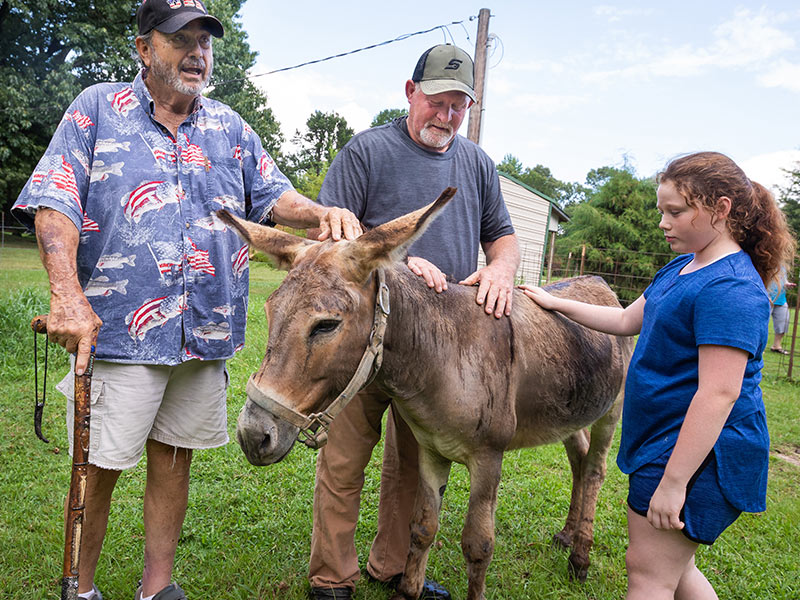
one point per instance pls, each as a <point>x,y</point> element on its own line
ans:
<point>380,174</point>
<point>123,203</point>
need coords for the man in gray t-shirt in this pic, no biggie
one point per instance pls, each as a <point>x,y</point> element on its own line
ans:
<point>383,173</point>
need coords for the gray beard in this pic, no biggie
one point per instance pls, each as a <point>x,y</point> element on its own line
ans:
<point>170,76</point>
<point>434,139</point>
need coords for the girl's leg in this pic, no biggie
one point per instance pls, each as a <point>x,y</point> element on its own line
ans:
<point>693,584</point>
<point>660,564</point>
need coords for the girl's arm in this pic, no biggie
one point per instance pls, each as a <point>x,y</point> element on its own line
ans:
<point>608,319</point>
<point>721,370</point>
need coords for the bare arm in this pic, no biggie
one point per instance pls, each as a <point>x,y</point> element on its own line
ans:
<point>608,319</point>
<point>71,323</point>
<point>496,280</point>
<point>295,210</point>
<point>721,370</point>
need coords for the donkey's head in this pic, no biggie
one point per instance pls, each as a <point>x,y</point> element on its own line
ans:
<point>320,323</point>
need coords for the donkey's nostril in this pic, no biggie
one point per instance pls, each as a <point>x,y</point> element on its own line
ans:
<point>266,444</point>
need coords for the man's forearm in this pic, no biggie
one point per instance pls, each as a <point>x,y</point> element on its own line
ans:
<point>295,210</point>
<point>58,248</point>
<point>503,252</point>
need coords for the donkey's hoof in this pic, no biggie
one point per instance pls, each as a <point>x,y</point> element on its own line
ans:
<point>562,540</point>
<point>577,570</point>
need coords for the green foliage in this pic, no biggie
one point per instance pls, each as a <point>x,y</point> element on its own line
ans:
<point>325,135</point>
<point>618,225</point>
<point>388,115</point>
<point>789,200</point>
<point>248,529</point>
<point>49,51</point>
<point>309,183</point>
<point>542,180</point>
<point>52,49</point>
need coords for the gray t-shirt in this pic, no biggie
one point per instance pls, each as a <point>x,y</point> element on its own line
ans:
<point>382,174</point>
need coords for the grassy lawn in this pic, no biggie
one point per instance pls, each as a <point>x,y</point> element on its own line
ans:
<point>247,533</point>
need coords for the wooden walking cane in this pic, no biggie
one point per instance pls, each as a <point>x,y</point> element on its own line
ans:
<point>76,502</point>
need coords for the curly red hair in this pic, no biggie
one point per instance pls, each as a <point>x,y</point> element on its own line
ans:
<point>755,221</point>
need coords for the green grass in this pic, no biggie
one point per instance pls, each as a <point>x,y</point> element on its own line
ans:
<point>247,533</point>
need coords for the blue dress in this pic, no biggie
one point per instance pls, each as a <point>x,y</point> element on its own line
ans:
<point>725,304</point>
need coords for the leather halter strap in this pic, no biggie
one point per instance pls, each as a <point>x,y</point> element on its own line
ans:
<point>314,427</point>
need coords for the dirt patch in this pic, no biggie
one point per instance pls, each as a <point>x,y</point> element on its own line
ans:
<point>788,454</point>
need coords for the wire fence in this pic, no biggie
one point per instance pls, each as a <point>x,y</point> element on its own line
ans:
<point>627,272</point>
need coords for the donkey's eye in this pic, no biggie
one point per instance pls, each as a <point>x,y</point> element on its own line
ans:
<point>324,326</point>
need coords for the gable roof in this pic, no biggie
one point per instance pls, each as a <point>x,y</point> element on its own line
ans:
<point>562,216</point>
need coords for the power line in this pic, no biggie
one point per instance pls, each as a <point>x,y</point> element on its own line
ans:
<point>399,38</point>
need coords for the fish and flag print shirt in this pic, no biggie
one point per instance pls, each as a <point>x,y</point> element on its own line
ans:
<point>166,276</point>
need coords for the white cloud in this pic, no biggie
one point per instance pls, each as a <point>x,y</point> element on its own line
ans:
<point>768,169</point>
<point>745,41</point>
<point>782,74</point>
<point>544,104</point>
<point>294,95</point>
<point>532,66</point>
<point>615,13</point>
<point>749,38</point>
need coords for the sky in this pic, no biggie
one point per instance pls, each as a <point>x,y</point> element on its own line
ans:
<point>571,85</point>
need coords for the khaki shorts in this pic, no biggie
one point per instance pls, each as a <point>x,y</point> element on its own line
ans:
<point>182,406</point>
<point>780,318</point>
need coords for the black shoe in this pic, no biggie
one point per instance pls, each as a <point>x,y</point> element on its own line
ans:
<point>431,590</point>
<point>332,593</point>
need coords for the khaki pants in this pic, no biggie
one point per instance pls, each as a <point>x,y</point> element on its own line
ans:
<point>337,493</point>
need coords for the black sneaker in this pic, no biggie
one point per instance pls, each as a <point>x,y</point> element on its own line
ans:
<point>172,592</point>
<point>431,590</point>
<point>331,593</point>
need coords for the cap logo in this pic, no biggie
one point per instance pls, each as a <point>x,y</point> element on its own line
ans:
<point>175,4</point>
<point>453,65</point>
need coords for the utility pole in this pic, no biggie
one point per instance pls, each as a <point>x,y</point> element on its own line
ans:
<point>474,128</point>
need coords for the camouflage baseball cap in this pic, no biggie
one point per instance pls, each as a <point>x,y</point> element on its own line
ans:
<point>168,16</point>
<point>445,68</point>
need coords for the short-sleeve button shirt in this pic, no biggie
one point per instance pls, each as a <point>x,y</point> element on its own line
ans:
<point>166,276</point>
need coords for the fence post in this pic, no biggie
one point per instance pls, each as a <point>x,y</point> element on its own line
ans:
<point>583,258</point>
<point>552,250</point>
<point>794,333</point>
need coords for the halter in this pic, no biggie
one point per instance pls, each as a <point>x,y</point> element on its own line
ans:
<point>314,427</point>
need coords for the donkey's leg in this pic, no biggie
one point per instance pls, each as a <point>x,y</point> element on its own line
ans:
<point>576,445</point>
<point>477,538</point>
<point>594,473</point>
<point>433,473</point>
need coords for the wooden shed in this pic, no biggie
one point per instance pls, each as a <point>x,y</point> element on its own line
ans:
<point>536,218</point>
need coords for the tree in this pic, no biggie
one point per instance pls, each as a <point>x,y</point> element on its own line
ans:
<point>326,134</point>
<point>388,115</point>
<point>309,183</point>
<point>51,49</point>
<point>618,226</point>
<point>542,180</point>
<point>789,200</point>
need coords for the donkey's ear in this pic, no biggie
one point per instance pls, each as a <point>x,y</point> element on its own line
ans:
<point>388,243</point>
<point>282,248</point>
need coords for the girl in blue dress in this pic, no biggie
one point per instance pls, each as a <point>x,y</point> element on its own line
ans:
<point>694,435</point>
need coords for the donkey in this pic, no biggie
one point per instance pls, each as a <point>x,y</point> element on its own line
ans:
<point>470,386</point>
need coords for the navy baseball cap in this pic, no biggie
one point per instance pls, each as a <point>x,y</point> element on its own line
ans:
<point>168,16</point>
